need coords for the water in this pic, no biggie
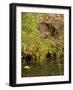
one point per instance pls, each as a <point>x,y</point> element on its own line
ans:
<point>42,69</point>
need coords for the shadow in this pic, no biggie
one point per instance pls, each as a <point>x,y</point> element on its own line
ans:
<point>7,84</point>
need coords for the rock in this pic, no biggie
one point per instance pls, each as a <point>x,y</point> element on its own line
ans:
<point>26,67</point>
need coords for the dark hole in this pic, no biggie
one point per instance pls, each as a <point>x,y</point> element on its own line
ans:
<point>28,58</point>
<point>54,56</point>
<point>48,56</point>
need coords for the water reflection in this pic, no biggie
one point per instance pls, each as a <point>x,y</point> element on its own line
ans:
<point>46,68</point>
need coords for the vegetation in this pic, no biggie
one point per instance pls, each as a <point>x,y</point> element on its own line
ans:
<point>42,41</point>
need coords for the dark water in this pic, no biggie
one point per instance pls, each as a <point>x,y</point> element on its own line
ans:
<point>42,69</point>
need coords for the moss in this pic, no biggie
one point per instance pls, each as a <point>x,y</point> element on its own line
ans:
<point>34,43</point>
